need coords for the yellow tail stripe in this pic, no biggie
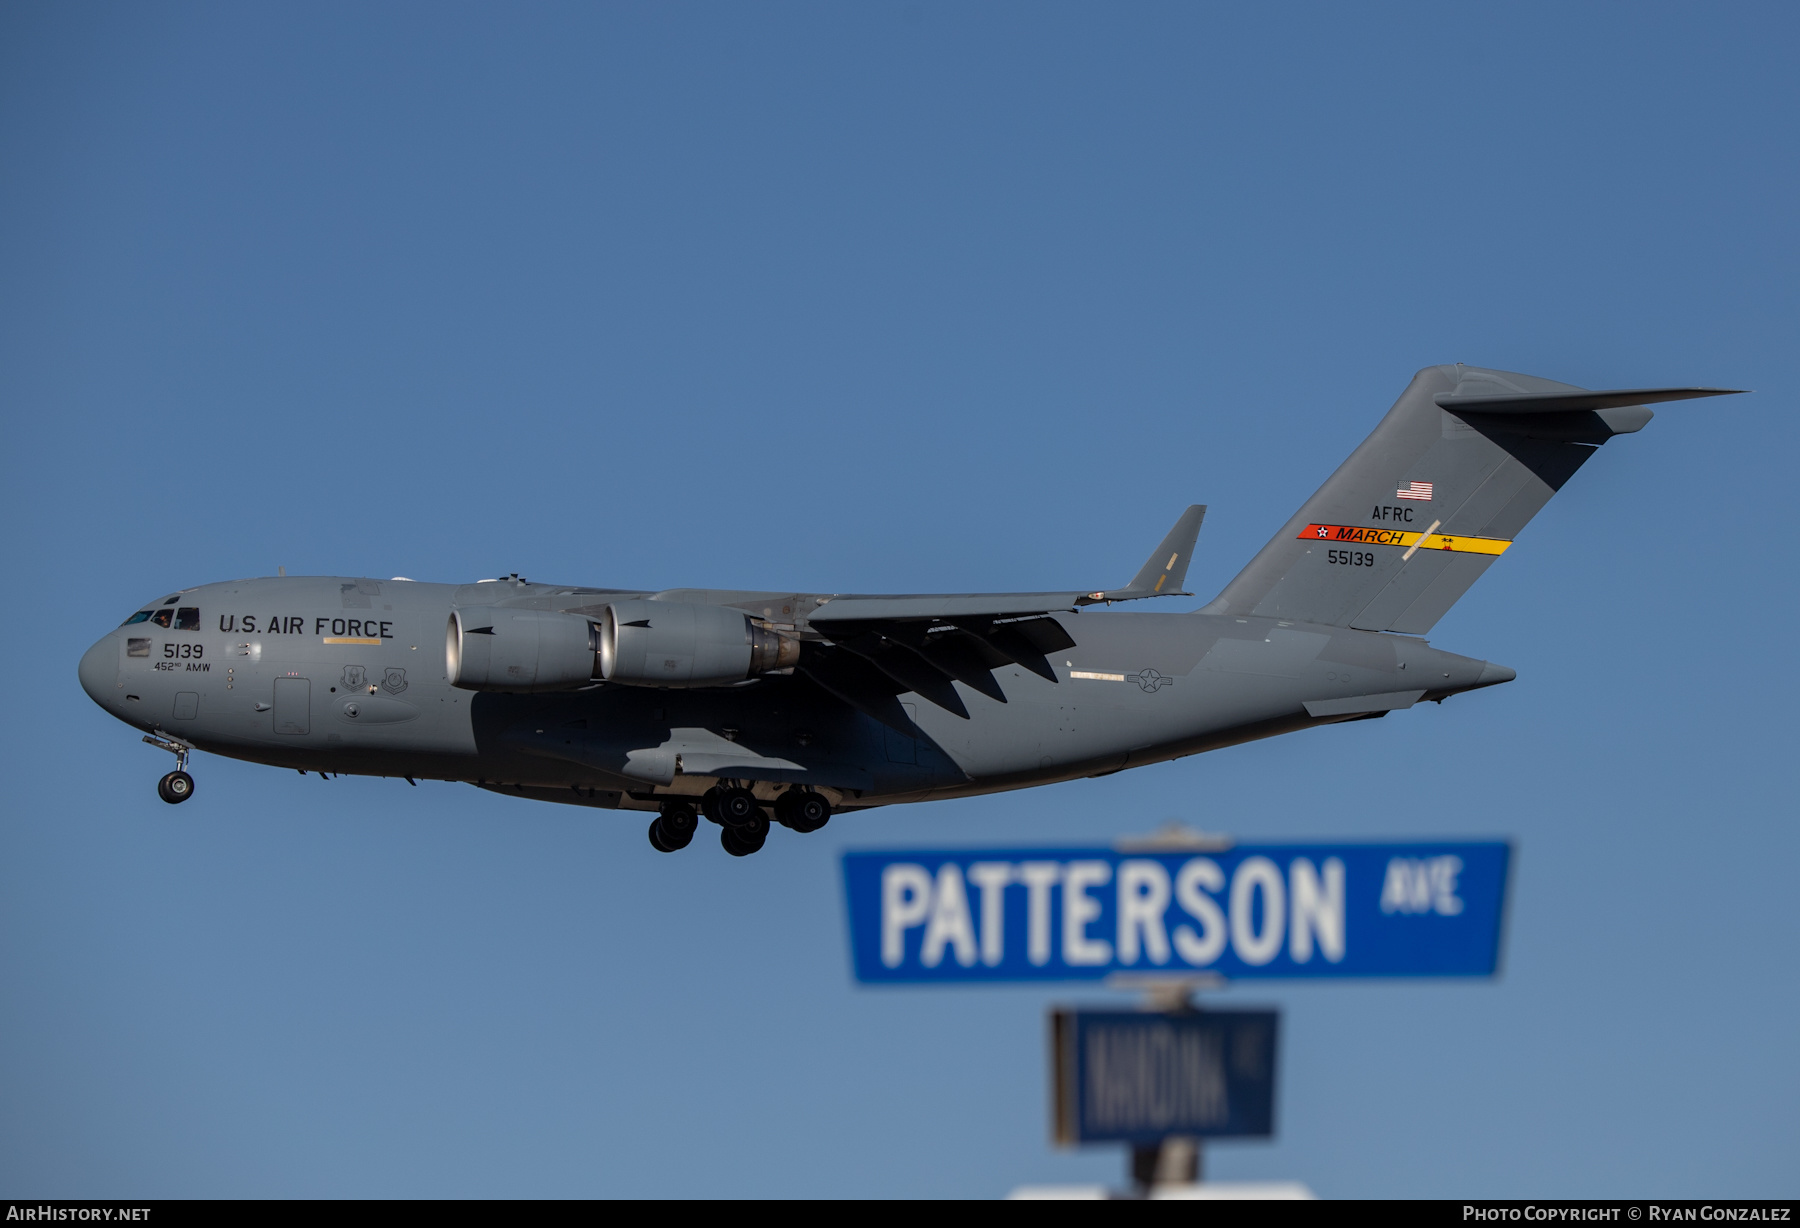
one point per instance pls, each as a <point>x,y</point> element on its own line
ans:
<point>1395,537</point>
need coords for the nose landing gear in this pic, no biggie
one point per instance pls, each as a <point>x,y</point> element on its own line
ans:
<point>177,786</point>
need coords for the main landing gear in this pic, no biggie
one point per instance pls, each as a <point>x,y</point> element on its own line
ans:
<point>802,812</point>
<point>177,786</point>
<point>741,816</point>
<point>730,806</point>
<point>747,837</point>
<point>673,828</point>
<point>744,826</point>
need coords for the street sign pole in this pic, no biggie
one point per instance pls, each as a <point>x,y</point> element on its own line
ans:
<point>1161,1078</point>
<point>1170,915</point>
<point>1177,1159</point>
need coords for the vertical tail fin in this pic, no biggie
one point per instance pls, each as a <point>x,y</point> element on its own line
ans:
<point>1462,462</point>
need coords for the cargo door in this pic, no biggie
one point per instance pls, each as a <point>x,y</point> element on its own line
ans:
<point>293,705</point>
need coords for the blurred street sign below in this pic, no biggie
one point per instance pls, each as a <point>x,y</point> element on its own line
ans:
<point>1084,914</point>
<point>1139,1076</point>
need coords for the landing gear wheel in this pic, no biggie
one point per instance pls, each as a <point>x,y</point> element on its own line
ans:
<point>744,839</point>
<point>802,812</point>
<point>709,805</point>
<point>175,787</point>
<point>673,828</point>
<point>736,807</point>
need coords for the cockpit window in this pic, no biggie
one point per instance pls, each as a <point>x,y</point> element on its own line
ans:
<point>187,618</point>
<point>140,616</point>
<point>162,617</point>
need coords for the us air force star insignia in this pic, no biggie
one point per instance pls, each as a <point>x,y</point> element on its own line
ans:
<point>395,681</point>
<point>1323,531</point>
<point>1150,680</point>
<point>353,677</point>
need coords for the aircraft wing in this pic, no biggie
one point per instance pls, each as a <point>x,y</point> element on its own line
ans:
<point>909,607</point>
<point>878,646</point>
<point>1160,576</point>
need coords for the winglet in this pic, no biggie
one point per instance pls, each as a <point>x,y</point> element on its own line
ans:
<point>1164,571</point>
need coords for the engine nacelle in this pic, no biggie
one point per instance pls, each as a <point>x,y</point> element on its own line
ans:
<point>680,644</point>
<point>492,648</point>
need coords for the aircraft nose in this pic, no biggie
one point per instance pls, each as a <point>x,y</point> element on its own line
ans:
<point>100,671</point>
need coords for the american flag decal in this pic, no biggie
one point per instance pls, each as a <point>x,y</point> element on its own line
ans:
<point>1415,490</point>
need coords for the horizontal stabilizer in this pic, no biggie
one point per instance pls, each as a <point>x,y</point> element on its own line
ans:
<point>1565,402</point>
<point>1438,491</point>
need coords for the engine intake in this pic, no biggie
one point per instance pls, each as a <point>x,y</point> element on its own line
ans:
<point>680,644</point>
<point>491,648</point>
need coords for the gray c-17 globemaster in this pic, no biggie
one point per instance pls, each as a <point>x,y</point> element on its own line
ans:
<point>742,704</point>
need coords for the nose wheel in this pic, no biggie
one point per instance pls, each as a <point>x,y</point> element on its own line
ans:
<point>177,786</point>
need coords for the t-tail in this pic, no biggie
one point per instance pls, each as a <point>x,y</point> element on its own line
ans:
<point>1460,464</point>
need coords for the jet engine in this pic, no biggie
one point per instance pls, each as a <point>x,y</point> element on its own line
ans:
<point>679,644</point>
<point>490,648</point>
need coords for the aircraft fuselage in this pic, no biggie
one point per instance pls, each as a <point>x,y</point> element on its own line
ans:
<point>348,675</point>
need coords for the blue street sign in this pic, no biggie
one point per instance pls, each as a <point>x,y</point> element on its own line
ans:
<point>1082,914</point>
<point>1139,1077</point>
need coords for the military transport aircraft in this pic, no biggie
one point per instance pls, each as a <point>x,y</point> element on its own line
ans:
<point>739,705</point>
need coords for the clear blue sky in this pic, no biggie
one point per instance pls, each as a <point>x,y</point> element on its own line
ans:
<point>881,298</point>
